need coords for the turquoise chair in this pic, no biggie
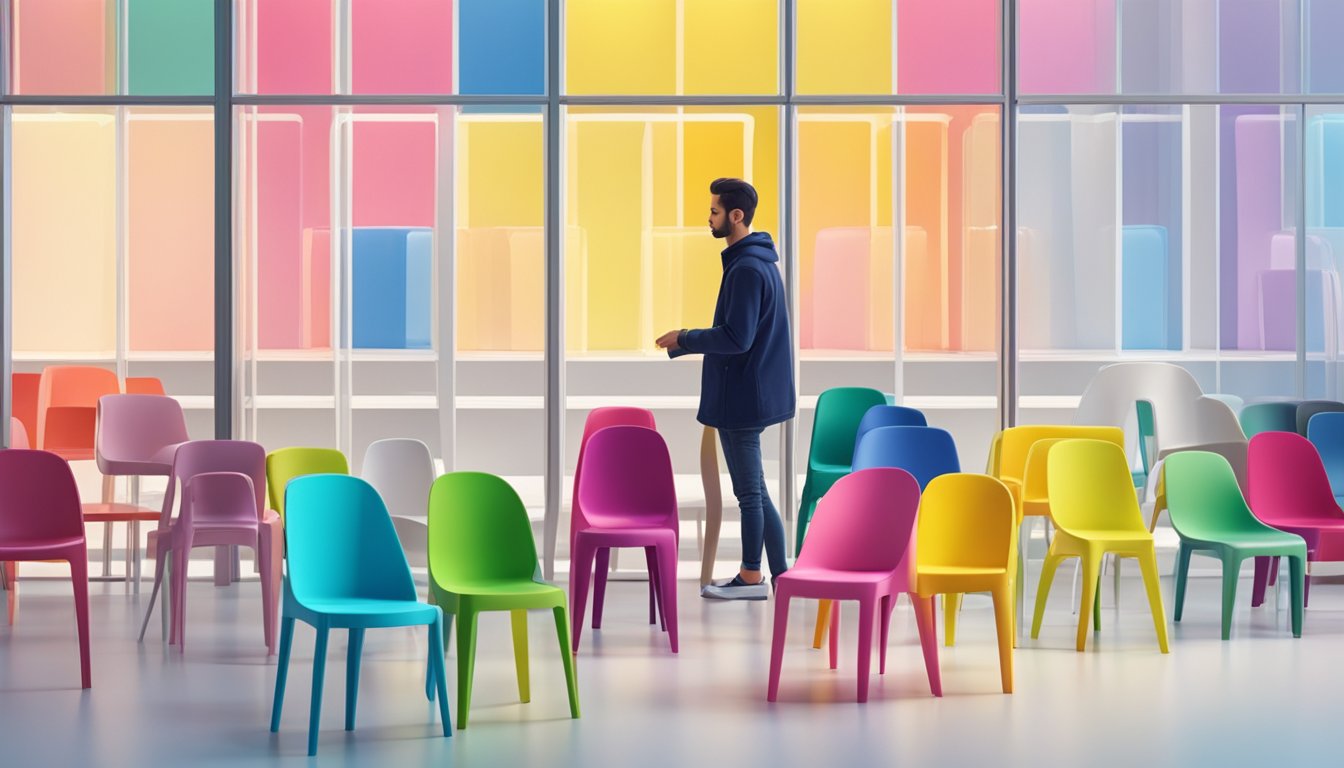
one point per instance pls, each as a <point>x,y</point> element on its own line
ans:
<point>347,571</point>
<point>1278,416</point>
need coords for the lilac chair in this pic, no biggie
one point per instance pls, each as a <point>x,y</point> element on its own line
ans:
<point>40,520</point>
<point>860,546</point>
<point>628,500</point>
<point>223,482</point>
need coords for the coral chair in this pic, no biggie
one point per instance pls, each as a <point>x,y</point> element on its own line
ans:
<point>67,406</point>
<point>23,401</point>
<point>144,385</point>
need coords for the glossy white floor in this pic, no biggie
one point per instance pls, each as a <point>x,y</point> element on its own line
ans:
<point>1261,697</point>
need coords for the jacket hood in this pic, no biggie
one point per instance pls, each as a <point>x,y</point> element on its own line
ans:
<point>758,245</point>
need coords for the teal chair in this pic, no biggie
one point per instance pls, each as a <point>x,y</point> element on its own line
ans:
<point>1269,417</point>
<point>347,571</point>
<point>1211,516</point>
<point>835,425</point>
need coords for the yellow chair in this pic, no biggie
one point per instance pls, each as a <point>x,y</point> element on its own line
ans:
<point>1095,511</point>
<point>968,543</point>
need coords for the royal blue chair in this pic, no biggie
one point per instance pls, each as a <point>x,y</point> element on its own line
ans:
<point>888,416</point>
<point>1326,432</point>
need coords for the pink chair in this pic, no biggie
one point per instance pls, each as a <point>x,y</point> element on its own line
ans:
<point>860,546</point>
<point>1290,490</point>
<point>219,510</point>
<point>628,500</point>
<point>598,419</point>
<point>9,570</point>
<point>40,520</point>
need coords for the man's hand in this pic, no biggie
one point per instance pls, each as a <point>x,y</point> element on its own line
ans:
<point>668,341</point>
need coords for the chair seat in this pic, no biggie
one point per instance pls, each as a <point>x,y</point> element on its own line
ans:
<point>838,470</point>
<point>512,588</point>
<point>101,512</point>
<point>957,570</point>
<point>39,549</point>
<point>412,612</point>
<point>627,537</point>
<point>1112,535</point>
<point>158,463</point>
<point>826,583</point>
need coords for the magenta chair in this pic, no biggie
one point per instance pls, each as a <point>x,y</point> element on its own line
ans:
<point>9,570</point>
<point>628,500</point>
<point>860,546</point>
<point>40,520</point>
<point>223,483</point>
<point>598,419</point>
<point>1290,490</point>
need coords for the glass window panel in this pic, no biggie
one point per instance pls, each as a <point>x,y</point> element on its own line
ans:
<point>845,47</point>
<point>1066,46</point>
<point>1325,243</point>
<point>501,46</point>
<point>172,46</point>
<point>947,46</point>
<point>63,47</point>
<point>1324,57</point>
<point>285,46</point>
<point>401,46</point>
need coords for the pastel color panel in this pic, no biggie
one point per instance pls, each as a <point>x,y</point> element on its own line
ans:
<point>63,47</point>
<point>403,46</point>
<point>978,271</point>
<point>1325,57</point>
<point>170,231</point>
<point>391,277</point>
<point>1144,288</point>
<point>947,46</point>
<point>281,242</point>
<point>395,170</point>
<point>1325,171</point>
<point>1259,217</point>
<point>725,58</point>
<point>1066,46</point>
<point>1253,57</point>
<point>64,229</point>
<point>620,47</point>
<point>172,47</point>
<point>927,282</point>
<point>292,48</point>
<point>844,47</point>
<point>501,46</point>
<point>1153,197</point>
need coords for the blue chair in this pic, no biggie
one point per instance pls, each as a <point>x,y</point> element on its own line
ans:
<point>1326,432</point>
<point>1309,408</point>
<point>888,416</point>
<point>347,570</point>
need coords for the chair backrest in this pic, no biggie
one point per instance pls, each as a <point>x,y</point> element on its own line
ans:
<point>144,385</point>
<point>1287,479</point>
<point>401,470</point>
<point>340,544</point>
<point>39,500</point>
<point>219,498</point>
<point>1308,408</point>
<point>288,463</point>
<point>1326,432</point>
<point>478,531</point>
<point>599,419</point>
<point>18,436</point>
<point>23,400</point>
<point>1203,497</point>
<point>1235,402</point>
<point>67,404</point>
<point>1036,480</point>
<point>995,455</point>
<point>966,521</point>
<point>888,416</point>
<point>836,422</point>
<point>198,457</point>
<point>1091,487</point>
<point>1017,442</point>
<point>865,522</point>
<point>925,452</point>
<point>136,427</point>
<point>627,479</point>
<point>1111,396</point>
<point>1269,417</point>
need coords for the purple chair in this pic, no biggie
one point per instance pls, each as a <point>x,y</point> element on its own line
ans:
<point>628,500</point>
<point>40,520</point>
<point>223,482</point>
<point>9,571</point>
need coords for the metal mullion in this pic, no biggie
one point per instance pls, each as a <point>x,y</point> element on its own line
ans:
<point>408,99</point>
<point>554,354</point>
<point>1008,342</point>
<point>1300,245</point>
<point>1168,99</point>
<point>108,101</point>
<point>788,152</point>
<point>224,394</point>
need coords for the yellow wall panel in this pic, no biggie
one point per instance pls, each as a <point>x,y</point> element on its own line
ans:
<point>731,47</point>
<point>844,46</point>
<point>619,46</point>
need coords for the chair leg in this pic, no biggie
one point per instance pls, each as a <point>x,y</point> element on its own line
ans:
<point>1182,574</point>
<point>888,606</point>
<point>1273,570</point>
<point>666,559</point>
<point>1115,582</point>
<point>580,571</point>
<point>567,658</point>
<point>263,552</point>
<point>282,670</point>
<point>11,569</point>
<point>823,622</point>
<point>466,661</point>
<point>1306,586</point>
<point>951,605</point>
<point>79,579</point>
<point>353,652</point>
<point>600,572</point>
<point>1297,571</point>
<point>1261,580</point>
<point>440,682</point>
<point>518,620</point>
<point>179,630</point>
<point>1090,587</point>
<point>655,592</point>
<point>777,645</point>
<point>1153,586</point>
<point>1048,569</point>
<point>1003,627</point>
<point>319,673</point>
<point>867,612</point>
<point>928,640</point>
<point>835,634</point>
<point>1231,569</point>
<point>154,593</point>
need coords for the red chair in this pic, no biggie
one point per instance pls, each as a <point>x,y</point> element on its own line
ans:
<point>23,401</point>
<point>67,408</point>
<point>144,385</point>
<point>40,520</point>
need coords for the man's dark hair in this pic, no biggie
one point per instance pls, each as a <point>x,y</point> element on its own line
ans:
<point>735,194</point>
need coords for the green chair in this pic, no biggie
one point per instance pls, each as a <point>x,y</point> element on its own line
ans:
<point>834,426</point>
<point>1269,417</point>
<point>347,571</point>
<point>1211,516</point>
<point>482,558</point>
<point>288,463</point>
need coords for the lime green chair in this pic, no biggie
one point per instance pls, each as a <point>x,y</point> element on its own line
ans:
<point>288,463</point>
<point>834,426</point>
<point>482,558</point>
<point>1211,516</point>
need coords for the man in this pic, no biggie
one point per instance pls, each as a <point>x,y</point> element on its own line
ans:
<point>747,376</point>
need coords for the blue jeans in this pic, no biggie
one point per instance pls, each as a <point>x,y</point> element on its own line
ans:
<point>761,524</point>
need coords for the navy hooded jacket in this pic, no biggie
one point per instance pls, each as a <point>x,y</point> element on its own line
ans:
<point>746,381</point>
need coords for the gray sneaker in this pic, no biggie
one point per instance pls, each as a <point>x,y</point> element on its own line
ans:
<point>736,589</point>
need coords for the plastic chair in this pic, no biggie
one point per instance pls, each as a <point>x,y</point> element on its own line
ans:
<point>862,548</point>
<point>599,419</point>
<point>482,558</point>
<point>1308,408</point>
<point>1291,491</point>
<point>967,543</point>
<point>1211,516</point>
<point>40,520</point>
<point>23,401</point>
<point>834,426</point>
<point>1095,511</point>
<point>346,570</point>
<point>1235,402</point>
<point>402,470</point>
<point>1111,396</point>
<point>9,570</point>
<point>628,498</point>
<point>888,416</point>
<point>924,452</point>
<point>217,513</point>
<point>137,435</point>
<point>144,385</point>
<point>286,464</point>
<point>1326,432</point>
<point>67,404</point>
<point>1278,416</point>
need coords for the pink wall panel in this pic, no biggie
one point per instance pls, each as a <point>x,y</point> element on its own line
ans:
<point>293,46</point>
<point>403,46</point>
<point>63,47</point>
<point>279,245</point>
<point>394,174</point>
<point>947,46</point>
<point>1067,46</point>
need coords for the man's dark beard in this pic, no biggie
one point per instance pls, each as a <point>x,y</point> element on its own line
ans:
<point>721,233</point>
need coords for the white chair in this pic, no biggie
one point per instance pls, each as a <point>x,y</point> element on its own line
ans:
<point>402,471</point>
